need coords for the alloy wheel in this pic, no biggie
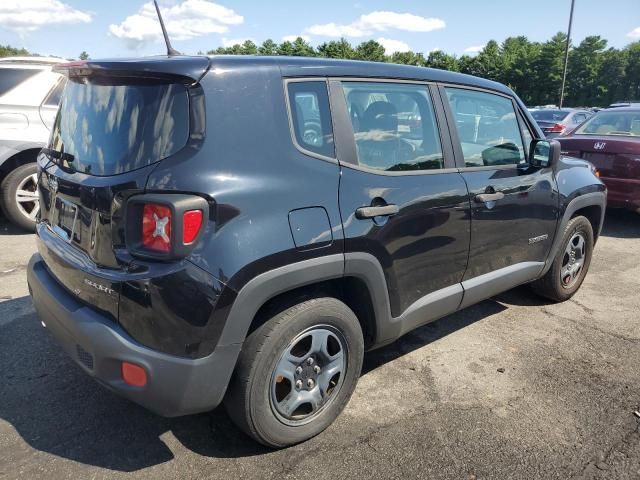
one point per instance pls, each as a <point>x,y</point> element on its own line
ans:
<point>27,198</point>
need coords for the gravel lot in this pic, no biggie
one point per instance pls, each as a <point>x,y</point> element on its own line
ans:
<point>511,388</point>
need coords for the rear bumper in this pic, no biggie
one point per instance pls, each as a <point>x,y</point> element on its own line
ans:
<point>175,385</point>
<point>623,192</point>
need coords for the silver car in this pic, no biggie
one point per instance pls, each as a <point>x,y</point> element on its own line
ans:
<point>29,97</point>
<point>556,122</point>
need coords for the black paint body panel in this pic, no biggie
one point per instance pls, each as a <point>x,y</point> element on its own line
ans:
<point>271,206</point>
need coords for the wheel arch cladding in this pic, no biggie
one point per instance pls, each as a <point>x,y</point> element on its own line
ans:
<point>590,205</point>
<point>322,276</point>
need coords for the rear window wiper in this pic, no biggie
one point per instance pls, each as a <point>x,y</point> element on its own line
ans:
<point>67,157</point>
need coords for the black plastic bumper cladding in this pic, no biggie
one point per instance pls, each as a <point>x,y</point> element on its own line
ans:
<point>178,204</point>
<point>175,386</point>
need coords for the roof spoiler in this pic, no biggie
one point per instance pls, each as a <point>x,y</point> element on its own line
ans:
<point>181,68</point>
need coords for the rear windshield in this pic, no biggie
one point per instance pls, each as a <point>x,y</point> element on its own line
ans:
<point>549,115</point>
<point>612,123</point>
<point>10,78</point>
<point>111,129</point>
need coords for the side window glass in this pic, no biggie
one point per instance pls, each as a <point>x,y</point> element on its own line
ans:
<point>487,127</point>
<point>311,117</point>
<point>53,99</point>
<point>394,126</point>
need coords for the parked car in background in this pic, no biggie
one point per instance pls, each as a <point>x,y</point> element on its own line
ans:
<point>625,103</point>
<point>242,229</point>
<point>555,121</point>
<point>610,140</point>
<point>29,96</point>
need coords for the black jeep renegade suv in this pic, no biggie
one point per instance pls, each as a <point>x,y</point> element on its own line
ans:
<point>242,229</point>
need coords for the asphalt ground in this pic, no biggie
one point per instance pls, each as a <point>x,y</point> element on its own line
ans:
<point>514,387</point>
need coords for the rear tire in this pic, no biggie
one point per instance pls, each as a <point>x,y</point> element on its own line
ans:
<point>570,264</point>
<point>18,196</point>
<point>296,372</point>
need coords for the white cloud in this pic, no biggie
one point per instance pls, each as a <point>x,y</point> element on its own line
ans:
<point>28,15</point>
<point>185,20</point>
<point>635,33</point>
<point>378,21</point>
<point>392,46</point>
<point>474,49</point>
<point>292,38</point>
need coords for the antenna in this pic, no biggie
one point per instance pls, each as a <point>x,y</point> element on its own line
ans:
<point>170,50</point>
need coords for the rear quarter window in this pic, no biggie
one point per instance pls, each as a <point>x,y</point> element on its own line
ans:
<point>311,117</point>
<point>10,78</point>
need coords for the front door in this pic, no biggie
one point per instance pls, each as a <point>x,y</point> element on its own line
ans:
<point>401,197</point>
<point>514,207</point>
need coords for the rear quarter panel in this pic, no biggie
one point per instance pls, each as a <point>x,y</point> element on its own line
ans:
<point>250,169</point>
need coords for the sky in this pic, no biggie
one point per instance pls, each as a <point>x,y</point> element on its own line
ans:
<point>126,28</point>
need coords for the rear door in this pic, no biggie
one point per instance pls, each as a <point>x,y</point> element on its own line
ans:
<point>401,197</point>
<point>514,207</point>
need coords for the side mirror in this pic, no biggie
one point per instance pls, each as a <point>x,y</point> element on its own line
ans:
<point>544,153</point>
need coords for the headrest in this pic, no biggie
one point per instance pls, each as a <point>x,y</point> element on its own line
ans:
<point>380,116</point>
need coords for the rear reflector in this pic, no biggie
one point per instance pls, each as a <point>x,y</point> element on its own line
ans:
<point>156,227</point>
<point>191,223</point>
<point>133,374</point>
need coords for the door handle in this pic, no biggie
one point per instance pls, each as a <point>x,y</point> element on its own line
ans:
<point>371,212</point>
<point>489,197</point>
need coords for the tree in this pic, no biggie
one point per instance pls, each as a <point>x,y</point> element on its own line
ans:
<point>518,57</point>
<point>285,48</point>
<point>548,69</point>
<point>302,48</point>
<point>613,66</point>
<point>371,51</point>
<point>337,49</point>
<point>248,48</point>
<point>443,61</point>
<point>585,64</point>
<point>268,47</point>
<point>632,77</point>
<point>487,64</point>
<point>408,58</point>
<point>9,51</point>
<point>597,76</point>
<point>83,55</point>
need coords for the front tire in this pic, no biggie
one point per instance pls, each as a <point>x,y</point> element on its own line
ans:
<point>19,196</point>
<point>296,372</point>
<point>571,263</point>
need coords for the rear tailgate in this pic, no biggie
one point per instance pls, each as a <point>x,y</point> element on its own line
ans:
<point>614,156</point>
<point>117,120</point>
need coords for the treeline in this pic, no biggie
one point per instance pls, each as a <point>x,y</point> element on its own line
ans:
<point>597,75</point>
<point>9,51</point>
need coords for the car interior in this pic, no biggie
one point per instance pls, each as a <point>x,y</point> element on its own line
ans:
<point>487,129</point>
<point>394,127</point>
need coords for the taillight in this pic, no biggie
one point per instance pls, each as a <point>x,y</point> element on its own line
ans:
<point>164,226</point>
<point>191,223</point>
<point>156,227</point>
<point>557,128</point>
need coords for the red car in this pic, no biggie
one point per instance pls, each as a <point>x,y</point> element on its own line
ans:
<point>610,140</point>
